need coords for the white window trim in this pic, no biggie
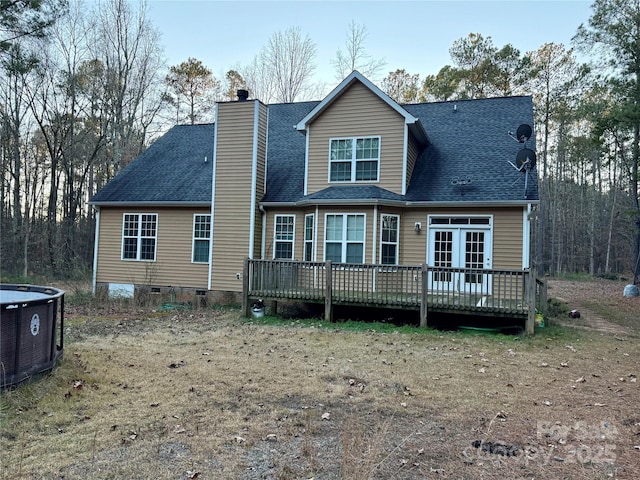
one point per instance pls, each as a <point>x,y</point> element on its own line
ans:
<point>313,237</point>
<point>353,159</point>
<point>193,238</point>
<point>396,243</point>
<point>344,232</point>
<point>292,241</point>
<point>488,227</point>
<point>139,237</point>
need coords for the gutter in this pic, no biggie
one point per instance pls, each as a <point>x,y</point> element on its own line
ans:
<point>399,203</point>
<point>171,203</point>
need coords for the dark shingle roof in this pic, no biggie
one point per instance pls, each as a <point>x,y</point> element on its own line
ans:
<point>171,170</point>
<point>471,142</point>
<point>468,142</point>
<point>286,152</point>
<point>354,192</point>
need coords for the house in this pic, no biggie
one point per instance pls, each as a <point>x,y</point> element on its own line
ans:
<point>353,179</point>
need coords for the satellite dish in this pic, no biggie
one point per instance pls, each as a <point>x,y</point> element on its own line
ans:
<point>525,159</point>
<point>524,133</point>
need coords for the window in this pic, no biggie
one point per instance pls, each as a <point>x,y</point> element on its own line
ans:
<point>389,239</point>
<point>308,238</point>
<point>344,238</point>
<point>139,236</point>
<point>201,238</point>
<point>354,159</point>
<point>283,236</point>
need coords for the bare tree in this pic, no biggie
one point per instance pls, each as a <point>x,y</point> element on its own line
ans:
<point>355,57</point>
<point>129,47</point>
<point>15,67</point>
<point>289,58</point>
<point>258,79</point>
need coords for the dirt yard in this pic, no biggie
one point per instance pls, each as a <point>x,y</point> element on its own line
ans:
<point>206,394</point>
<point>601,304</point>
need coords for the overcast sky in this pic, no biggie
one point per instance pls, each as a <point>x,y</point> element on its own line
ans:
<point>414,35</point>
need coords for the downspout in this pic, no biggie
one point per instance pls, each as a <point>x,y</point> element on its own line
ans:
<point>405,150</point>
<point>96,241</point>
<point>375,234</point>
<point>213,196</point>
<point>263,246</point>
<point>526,236</point>
<point>254,177</point>
<point>315,235</point>
<point>306,160</point>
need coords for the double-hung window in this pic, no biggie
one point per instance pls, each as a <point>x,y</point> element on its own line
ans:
<point>139,236</point>
<point>354,159</point>
<point>283,236</point>
<point>344,238</point>
<point>201,238</point>
<point>308,237</point>
<point>389,239</point>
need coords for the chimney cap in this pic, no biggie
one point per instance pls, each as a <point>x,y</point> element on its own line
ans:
<point>243,95</point>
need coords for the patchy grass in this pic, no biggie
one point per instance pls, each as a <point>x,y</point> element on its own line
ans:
<point>603,297</point>
<point>205,394</point>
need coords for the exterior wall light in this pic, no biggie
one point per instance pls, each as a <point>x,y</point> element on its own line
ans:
<point>417,227</point>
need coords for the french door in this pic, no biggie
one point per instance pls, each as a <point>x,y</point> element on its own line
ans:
<point>460,246</point>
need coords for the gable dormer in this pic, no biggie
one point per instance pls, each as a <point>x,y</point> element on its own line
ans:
<point>358,135</point>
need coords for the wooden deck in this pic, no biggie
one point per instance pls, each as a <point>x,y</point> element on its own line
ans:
<point>495,293</point>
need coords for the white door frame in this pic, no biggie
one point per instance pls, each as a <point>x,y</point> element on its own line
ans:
<point>456,230</point>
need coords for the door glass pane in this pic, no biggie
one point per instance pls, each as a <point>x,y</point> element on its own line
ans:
<point>443,255</point>
<point>474,255</point>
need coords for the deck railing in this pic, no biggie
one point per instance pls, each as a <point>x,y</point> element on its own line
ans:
<point>503,292</point>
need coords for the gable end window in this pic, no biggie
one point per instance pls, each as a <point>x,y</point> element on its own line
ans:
<point>139,236</point>
<point>283,237</point>
<point>354,159</point>
<point>201,238</point>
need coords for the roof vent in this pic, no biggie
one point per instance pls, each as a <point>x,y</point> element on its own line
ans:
<point>243,95</point>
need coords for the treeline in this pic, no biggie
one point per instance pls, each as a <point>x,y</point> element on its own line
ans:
<point>84,90</point>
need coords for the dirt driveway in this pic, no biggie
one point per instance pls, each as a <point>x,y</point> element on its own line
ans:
<point>601,304</point>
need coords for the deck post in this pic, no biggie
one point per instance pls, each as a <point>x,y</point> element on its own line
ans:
<point>423,297</point>
<point>543,297</point>
<point>245,288</point>
<point>328,294</point>
<point>531,299</point>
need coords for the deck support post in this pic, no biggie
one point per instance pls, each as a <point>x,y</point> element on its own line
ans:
<point>423,296</point>
<point>245,288</point>
<point>328,294</point>
<point>531,300</point>
<point>543,297</point>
